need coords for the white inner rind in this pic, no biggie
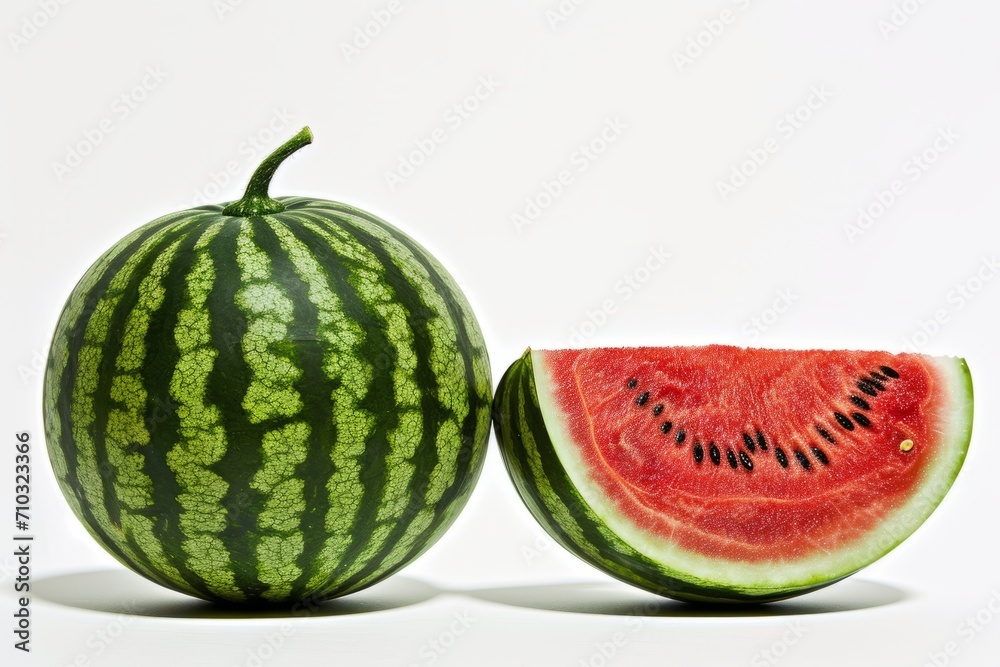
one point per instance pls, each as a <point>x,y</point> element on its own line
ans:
<point>779,574</point>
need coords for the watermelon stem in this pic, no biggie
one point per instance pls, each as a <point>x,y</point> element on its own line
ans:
<point>256,200</point>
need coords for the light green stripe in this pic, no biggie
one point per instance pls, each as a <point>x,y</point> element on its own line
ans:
<point>367,277</point>
<point>439,482</point>
<point>272,395</point>
<point>446,359</point>
<point>480,361</point>
<point>354,425</point>
<point>420,522</point>
<point>341,362</point>
<point>202,439</point>
<point>126,428</point>
<point>59,355</point>
<point>280,520</point>
<point>558,510</point>
<point>447,364</point>
<point>276,558</point>
<point>59,358</point>
<point>82,408</point>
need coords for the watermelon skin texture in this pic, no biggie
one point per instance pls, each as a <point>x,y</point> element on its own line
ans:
<point>556,502</point>
<point>270,408</point>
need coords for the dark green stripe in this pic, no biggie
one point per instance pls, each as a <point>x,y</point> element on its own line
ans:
<point>316,390</point>
<point>476,425</point>
<point>376,346</point>
<point>111,347</point>
<point>476,420</point>
<point>227,385</point>
<point>426,456</point>
<point>517,390</point>
<point>523,396</point>
<point>161,410</point>
<point>103,403</point>
<point>75,343</point>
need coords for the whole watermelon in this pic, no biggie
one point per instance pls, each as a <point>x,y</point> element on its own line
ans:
<point>270,401</point>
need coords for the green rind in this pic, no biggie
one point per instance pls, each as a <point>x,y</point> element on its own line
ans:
<point>556,502</point>
<point>256,543</point>
<point>557,505</point>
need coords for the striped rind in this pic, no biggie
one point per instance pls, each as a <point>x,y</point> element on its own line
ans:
<point>267,409</point>
<point>554,500</point>
<point>557,490</point>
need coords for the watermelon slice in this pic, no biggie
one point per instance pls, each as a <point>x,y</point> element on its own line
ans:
<point>728,474</point>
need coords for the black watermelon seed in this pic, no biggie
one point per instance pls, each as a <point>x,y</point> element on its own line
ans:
<point>843,421</point>
<point>890,372</point>
<point>699,453</point>
<point>780,455</point>
<point>826,434</point>
<point>642,398</point>
<point>745,460</point>
<point>748,441</point>
<point>713,453</point>
<point>874,381</point>
<point>761,441</point>
<point>632,383</point>
<point>731,457</point>
<point>861,419</point>
<point>867,388</point>
<point>820,455</point>
<point>860,402</point>
<point>665,427</point>
<point>680,437</point>
<point>878,376</point>
<point>803,461</point>
<point>657,410</point>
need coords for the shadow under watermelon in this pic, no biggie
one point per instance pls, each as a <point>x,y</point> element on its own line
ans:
<point>615,599</point>
<point>123,592</point>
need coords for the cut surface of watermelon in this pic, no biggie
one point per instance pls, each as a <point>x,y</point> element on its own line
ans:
<point>724,473</point>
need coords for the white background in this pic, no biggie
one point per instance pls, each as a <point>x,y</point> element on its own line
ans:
<point>494,590</point>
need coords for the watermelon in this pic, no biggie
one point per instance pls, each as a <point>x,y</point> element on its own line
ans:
<point>724,474</point>
<point>268,401</point>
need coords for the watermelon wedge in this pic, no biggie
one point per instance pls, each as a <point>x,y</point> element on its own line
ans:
<point>728,474</point>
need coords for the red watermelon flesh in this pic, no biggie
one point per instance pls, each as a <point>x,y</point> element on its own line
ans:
<point>739,460</point>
